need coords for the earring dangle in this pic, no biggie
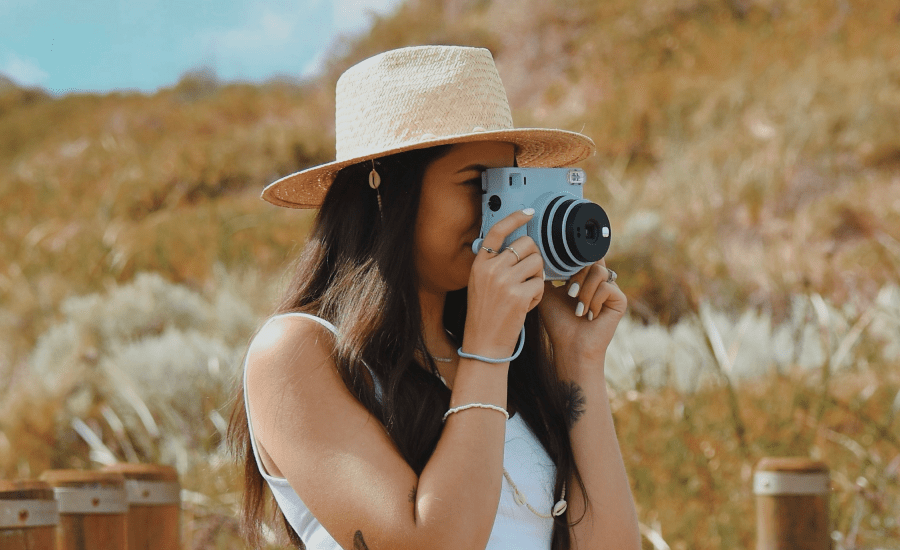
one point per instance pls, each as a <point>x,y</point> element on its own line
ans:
<point>374,183</point>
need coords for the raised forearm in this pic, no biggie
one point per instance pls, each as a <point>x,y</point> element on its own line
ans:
<point>611,520</point>
<point>459,489</point>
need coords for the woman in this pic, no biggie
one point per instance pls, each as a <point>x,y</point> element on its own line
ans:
<point>378,398</point>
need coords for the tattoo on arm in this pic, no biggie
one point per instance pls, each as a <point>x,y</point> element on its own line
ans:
<point>575,403</point>
<point>358,542</point>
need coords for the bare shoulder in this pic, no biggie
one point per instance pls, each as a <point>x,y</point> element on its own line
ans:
<point>293,386</point>
<point>290,350</point>
<point>312,431</point>
<point>288,341</point>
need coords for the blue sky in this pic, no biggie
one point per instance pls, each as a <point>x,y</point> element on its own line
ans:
<point>104,45</point>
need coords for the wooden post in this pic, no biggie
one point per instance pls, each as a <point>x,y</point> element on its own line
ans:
<point>93,509</point>
<point>28,516</point>
<point>154,506</point>
<point>791,504</point>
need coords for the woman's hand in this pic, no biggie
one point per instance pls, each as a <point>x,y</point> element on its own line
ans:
<point>581,317</point>
<point>504,285</point>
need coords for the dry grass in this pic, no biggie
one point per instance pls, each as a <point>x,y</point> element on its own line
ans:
<point>700,403</point>
<point>748,155</point>
<point>145,372</point>
<point>695,484</point>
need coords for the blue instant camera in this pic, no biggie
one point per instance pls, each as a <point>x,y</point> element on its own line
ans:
<point>570,231</point>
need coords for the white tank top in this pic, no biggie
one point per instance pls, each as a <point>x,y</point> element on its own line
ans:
<point>515,526</point>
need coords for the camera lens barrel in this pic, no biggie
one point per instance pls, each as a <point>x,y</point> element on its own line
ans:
<point>574,233</point>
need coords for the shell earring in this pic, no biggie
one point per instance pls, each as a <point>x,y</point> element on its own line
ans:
<point>374,183</point>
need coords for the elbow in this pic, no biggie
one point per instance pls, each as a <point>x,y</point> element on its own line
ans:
<point>621,535</point>
<point>446,537</point>
<point>447,528</point>
<point>459,539</point>
<point>629,538</point>
<point>624,542</point>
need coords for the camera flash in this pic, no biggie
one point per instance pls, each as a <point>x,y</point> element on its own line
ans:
<point>576,176</point>
<point>605,232</point>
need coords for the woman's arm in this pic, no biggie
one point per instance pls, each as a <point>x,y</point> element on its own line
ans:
<point>340,459</point>
<point>581,319</point>
<point>346,468</point>
<point>611,520</point>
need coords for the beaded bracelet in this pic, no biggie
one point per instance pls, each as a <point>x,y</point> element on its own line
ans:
<point>461,353</point>
<point>472,405</point>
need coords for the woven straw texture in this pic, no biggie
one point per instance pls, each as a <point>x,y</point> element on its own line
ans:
<point>419,97</point>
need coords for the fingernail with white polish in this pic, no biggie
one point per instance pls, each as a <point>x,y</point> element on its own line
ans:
<point>579,310</point>
<point>528,211</point>
<point>590,315</point>
<point>573,290</point>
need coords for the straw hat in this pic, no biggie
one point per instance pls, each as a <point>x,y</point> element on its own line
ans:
<point>420,97</point>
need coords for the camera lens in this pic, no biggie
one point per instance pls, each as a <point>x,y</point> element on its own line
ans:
<point>583,232</point>
<point>572,233</point>
<point>591,231</point>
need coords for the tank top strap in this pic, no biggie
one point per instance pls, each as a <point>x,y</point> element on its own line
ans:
<point>333,330</point>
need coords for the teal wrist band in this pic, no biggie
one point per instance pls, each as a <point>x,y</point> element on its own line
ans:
<point>461,353</point>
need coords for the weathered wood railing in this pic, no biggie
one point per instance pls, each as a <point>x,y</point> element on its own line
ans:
<point>138,507</point>
<point>123,507</point>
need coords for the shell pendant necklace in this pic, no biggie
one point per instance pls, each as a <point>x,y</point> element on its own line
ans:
<point>519,496</point>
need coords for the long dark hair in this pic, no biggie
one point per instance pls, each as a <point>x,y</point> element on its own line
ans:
<point>357,270</point>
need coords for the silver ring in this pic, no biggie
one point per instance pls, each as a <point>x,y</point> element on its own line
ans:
<point>612,276</point>
<point>513,250</point>
<point>491,250</point>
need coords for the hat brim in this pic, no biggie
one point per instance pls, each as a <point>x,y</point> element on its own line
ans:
<point>535,147</point>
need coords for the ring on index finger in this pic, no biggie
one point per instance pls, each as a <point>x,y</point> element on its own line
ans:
<point>612,276</point>
<point>513,250</point>
<point>491,250</point>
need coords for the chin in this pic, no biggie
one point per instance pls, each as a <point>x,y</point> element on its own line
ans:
<point>457,276</point>
<point>459,286</point>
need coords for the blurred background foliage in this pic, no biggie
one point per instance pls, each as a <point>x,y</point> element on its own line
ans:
<point>749,157</point>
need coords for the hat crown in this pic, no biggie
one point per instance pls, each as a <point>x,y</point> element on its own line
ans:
<point>407,96</point>
<point>418,97</point>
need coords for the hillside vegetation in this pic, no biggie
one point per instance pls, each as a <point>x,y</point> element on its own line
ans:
<point>748,156</point>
